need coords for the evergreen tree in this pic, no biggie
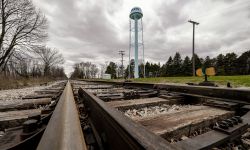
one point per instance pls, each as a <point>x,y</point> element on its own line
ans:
<point>126,73</point>
<point>177,62</point>
<point>243,63</point>
<point>186,68</point>
<point>141,70</point>
<point>207,62</point>
<point>156,69</point>
<point>163,70</point>
<point>230,63</point>
<point>213,62</point>
<point>131,69</point>
<point>198,62</point>
<point>147,68</point>
<point>111,69</point>
<point>169,67</point>
<point>220,64</point>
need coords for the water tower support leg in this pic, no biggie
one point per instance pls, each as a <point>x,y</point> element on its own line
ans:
<point>136,75</point>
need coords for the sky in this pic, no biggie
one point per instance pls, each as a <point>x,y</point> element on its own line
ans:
<point>95,30</point>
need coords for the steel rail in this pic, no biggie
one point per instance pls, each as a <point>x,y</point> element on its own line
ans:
<point>64,130</point>
<point>116,131</point>
<point>218,92</point>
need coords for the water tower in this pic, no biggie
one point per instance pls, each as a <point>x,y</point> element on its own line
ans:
<point>136,39</point>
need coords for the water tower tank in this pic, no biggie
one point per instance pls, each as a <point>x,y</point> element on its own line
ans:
<point>136,13</point>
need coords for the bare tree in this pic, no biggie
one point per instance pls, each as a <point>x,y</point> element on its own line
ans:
<point>22,27</point>
<point>18,64</point>
<point>103,68</point>
<point>85,70</point>
<point>49,57</point>
<point>57,72</point>
<point>93,70</point>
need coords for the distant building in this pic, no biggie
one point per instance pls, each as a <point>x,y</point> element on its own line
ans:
<point>106,76</point>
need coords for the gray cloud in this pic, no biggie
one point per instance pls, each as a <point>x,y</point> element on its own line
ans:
<point>170,14</point>
<point>91,30</point>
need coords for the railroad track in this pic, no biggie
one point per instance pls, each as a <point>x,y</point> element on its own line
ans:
<point>120,115</point>
<point>162,116</point>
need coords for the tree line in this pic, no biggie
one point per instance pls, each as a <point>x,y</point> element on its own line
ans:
<point>228,64</point>
<point>84,70</point>
<point>23,51</point>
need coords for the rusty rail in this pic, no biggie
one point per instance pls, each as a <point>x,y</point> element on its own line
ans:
<point>64,129</point>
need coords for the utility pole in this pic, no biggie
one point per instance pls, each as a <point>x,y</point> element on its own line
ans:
<point>122,54</point>
<point>194,23</point>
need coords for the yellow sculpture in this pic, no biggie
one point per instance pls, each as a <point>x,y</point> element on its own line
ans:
<point>205,72</point>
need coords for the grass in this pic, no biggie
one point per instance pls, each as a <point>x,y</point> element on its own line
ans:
<point>236,81</point>
<point>10,83</point>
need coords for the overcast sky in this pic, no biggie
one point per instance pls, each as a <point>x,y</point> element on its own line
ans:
<point>94,30</point>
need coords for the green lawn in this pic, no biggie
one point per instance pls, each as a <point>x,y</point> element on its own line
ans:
<point>236,81</point>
